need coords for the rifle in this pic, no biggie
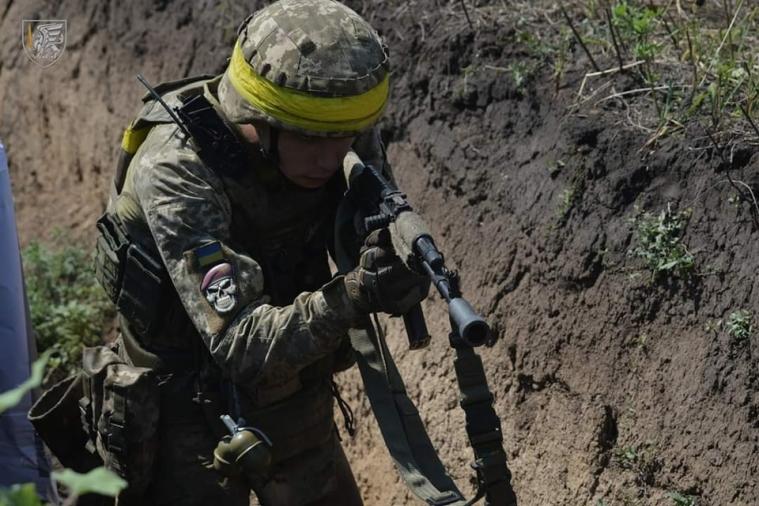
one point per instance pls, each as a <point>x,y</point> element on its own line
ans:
<point>382,205</point>
<point>372,202</point>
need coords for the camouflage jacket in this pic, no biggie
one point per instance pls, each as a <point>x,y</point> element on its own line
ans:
<point>245,255</point>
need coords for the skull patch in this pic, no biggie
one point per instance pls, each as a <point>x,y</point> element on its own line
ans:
<point>220,288</point>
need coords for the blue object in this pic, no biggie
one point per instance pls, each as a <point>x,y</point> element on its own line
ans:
<point>22,459</point>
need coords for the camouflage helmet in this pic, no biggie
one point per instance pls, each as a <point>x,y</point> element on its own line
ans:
<point>310,66</point>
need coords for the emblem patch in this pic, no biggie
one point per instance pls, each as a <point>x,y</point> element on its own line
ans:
<point>220,288</point>
<point>43,40</point>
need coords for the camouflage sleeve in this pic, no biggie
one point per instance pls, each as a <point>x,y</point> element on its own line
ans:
<point>189,218</point>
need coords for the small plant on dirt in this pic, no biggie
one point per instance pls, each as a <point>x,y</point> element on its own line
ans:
<point>679,499</point>
<point>520,74</point>
<point>642,341</point>
<point>464,91</point>
<point>740,325</point>
<point>68,308</point>
<point>571,195</point>
<point>627,457</point>
<point>566,201</point>
<point>642,460</point>
<point>561,57</point>
<point>713,326</point>
<point>659,243</point>
<point>636,25</point>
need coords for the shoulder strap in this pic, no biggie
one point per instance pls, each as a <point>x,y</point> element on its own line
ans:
<point>213,139</point>
<point>400,424</point>
<point>138,129</point>
<point>406,437</point>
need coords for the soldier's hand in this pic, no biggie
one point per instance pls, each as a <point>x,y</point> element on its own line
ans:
<point>382,282</point>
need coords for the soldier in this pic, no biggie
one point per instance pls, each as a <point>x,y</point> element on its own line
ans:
<point>221,276</point>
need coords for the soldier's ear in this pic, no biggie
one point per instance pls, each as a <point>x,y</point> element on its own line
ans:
<point>268,139</point>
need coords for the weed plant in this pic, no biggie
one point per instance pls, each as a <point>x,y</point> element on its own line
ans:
<point>68,308</point>
<point>659,243</point>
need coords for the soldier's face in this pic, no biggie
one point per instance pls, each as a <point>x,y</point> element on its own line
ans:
<point>306,161</point>
<point>311,161</point>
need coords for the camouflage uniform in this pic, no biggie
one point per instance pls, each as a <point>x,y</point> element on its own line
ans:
<point>277,336</point>
<point>246,256</point>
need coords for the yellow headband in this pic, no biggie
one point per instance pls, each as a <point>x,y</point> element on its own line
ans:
<point>302,110</point>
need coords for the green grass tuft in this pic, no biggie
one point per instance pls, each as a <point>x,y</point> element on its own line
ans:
<point>68,308</point>
<point>659,243</point>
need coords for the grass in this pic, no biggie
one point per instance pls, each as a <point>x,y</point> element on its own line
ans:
<point>665,65</point>
<point>567,200</point>
<point>659,243</point>
<point>572,195</point>
<point>68,308</point>
<point>679,499</point>
<point>689,64</point>
<point>668,67</point>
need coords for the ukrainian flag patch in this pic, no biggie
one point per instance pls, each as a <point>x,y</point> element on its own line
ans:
<point>209,254</point>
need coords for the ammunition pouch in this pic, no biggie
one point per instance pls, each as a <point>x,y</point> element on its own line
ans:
<point>134,279</point>
<point>57,419</point>
<point>120,414</point>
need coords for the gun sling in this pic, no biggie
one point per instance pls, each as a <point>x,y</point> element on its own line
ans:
<point>406,438</point>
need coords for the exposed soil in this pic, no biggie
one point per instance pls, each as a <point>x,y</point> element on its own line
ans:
<point>613,389</point>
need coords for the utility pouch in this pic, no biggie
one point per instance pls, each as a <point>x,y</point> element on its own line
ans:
<point>122,402</point>
<point>56,417</point>
<point>134,279</point>
<point>142,290</point>
<point>110,253</point>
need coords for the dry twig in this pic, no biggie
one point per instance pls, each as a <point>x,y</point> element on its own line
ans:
<point>579,38</point>
<point>606,72</point>
<point>607,10</point>
<point>466,13</point>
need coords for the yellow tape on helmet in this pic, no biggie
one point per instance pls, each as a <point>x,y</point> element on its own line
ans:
<point>303,110</point>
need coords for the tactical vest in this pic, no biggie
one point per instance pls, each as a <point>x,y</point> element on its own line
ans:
<point>287,236</point>
<point>287,230</point>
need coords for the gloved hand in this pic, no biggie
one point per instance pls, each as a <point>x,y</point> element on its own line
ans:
<point>381,282</point>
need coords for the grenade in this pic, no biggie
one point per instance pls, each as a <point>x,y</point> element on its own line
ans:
<point>246,453</point>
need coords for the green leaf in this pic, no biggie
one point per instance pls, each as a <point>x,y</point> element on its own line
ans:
<point>12,397</point>
<point>669,265</point>
<point>20,495</point>
<point>640,25</point>
<point>681,500</point>
<point>98,481</point>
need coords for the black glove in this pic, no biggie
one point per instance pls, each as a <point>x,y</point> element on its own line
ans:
<point>381,282</point>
